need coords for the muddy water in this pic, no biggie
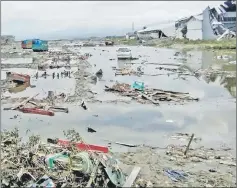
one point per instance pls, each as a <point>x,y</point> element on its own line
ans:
<point>43,84</point>
<point>212,118</point>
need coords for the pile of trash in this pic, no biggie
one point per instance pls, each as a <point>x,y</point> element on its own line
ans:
<point>126,71</point>
<point>143,95</point>
<point>43,107</point>
<point>57,163</point>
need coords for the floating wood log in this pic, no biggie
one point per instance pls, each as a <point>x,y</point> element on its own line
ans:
<point>167,91</point>
<point>58,109</point>
<point>38,105</point>
<point>122,144</point>
<point>24,102</point>
<point>150,99</point>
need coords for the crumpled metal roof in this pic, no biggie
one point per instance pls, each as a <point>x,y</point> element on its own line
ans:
<point>158,27</point>
<point>198,17</point>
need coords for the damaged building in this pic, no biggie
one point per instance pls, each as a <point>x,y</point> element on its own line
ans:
<point>160,31</point>
<point>226,13</point>
<point>210,24</point>
<point>131,35</point>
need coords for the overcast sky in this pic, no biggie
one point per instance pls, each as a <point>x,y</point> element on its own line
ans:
<point>26,19</point>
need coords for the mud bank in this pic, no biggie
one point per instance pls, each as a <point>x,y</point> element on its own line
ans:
<point>204,167</point>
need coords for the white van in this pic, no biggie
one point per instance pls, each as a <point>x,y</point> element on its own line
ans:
<point>124,53</point>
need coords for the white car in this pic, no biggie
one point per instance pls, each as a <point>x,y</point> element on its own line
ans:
<point>124,53</point>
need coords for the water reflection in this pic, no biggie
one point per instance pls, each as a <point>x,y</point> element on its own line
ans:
<point>230,84</point>
<point>129,122</point>
<point>121,63</point>
<point>206,59</point>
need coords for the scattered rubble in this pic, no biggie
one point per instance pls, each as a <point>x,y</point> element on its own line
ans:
<point>72,162</point>
<point>169,167</point>
<point>154,96</point>
<point>43,107</point>
<point>56,164</point>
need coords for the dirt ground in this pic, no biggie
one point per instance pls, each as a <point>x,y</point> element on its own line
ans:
<point>203,170</point>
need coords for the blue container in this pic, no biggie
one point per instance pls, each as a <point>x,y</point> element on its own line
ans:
<point>138,85</point>
<point>26,44</point>
<point>39,45</point>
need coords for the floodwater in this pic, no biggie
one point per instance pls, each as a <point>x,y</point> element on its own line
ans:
<point>213,118</point>
<point>43,84</point>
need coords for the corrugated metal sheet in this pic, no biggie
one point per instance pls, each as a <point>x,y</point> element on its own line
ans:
<point>158,27</point>
<point>198,17</point>
<point>40,45</point>
<point>26,44</point>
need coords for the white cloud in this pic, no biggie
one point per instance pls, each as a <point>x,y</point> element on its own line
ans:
<point>36,17</point>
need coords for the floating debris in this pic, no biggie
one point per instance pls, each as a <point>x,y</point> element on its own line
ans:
<point>150,95</point>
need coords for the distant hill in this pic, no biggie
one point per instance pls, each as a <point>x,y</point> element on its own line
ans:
<point>83,33</point>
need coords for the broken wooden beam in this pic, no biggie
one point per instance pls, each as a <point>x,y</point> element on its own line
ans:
<point>150,99</point>
<point>58,109</point>
<point>132,177</point>
<point>22,103</point>
<point>187,148</point>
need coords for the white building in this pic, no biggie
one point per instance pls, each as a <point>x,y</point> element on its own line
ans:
<point>159,31</point>
<point>194,28</point>
<point>209,25</point>
<point>130,36</point>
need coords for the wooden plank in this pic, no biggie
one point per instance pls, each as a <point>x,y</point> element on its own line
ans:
<point>24,102</point>
<point>150,99</point>
<point>132,176</point>
<point>187,148</point>
<point>93,174</point>
<point>122,144</point>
